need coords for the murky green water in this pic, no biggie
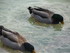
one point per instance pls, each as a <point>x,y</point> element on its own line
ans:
<point>45,38</point>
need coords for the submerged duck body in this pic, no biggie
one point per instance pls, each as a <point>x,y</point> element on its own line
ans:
<point>45,16</point>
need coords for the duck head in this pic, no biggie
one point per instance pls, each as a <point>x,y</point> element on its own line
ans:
<point>57,18</point>
<point>28,47</point>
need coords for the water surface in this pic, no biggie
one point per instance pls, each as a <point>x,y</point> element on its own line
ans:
<point>45,38</point>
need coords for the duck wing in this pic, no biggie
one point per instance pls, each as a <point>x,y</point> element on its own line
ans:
<point>10,36</point>
<point>41,13</point>
<point>41,9</point>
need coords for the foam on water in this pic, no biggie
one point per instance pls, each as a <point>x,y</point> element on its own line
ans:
<point>46,38</point>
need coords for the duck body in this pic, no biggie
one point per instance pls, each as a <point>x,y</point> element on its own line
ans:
<point>41,17</point>
<point>45,16</point>
<point>10,40</point>
<point>14,45</point>
<point>15,41</point>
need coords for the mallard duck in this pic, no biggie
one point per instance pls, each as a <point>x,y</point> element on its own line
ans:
<point>45,15</point>
<point>15,41</point>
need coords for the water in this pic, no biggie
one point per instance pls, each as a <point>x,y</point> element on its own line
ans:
<point>45,38</point>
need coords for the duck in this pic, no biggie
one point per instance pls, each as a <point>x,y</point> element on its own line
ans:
<point>45,16</point>
<point>15,41</point>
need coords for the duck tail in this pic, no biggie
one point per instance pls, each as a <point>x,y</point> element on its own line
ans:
<point>30,9</point>
<point>1,27</point>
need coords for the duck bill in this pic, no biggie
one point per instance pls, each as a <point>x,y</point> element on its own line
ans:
<point>33,51</point>
<point>62,22</point>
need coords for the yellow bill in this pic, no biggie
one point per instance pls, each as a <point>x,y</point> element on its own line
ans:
<point>62,22</point>
<point>33,51</point>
